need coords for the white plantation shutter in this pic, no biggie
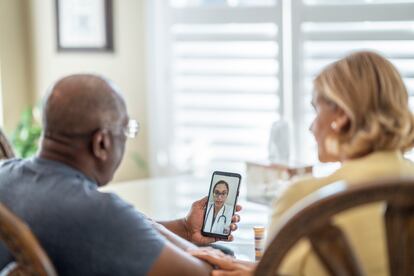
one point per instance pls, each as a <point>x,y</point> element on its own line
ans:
<point>224,82</point>
<point>328,30</point>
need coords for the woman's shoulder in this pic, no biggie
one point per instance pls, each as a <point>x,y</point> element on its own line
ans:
<point>304,186</point>
<point>375,165</point>
<point>294,192</point>
<point>300,188</point>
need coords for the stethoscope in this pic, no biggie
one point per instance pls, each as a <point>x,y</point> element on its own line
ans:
<point>222,216</point>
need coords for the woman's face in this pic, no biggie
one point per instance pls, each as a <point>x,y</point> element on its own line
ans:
<point>220,193</point>
<point>321,127</point>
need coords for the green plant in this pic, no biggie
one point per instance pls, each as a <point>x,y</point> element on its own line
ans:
<point>25,138</point>
<point>139,161</point>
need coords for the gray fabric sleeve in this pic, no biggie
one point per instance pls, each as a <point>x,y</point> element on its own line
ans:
<point>124,238</point>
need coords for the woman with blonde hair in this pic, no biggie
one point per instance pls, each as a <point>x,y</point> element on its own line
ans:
<point>363,121</point>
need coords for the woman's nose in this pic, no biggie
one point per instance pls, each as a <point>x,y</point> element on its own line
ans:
<point>311,126</point>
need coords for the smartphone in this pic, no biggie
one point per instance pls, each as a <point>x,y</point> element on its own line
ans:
<point>222,198</point>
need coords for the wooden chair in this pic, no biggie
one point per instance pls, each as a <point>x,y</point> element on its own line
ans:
<point>6,150</point>
<point>312,218</point>
<point>29,256</point>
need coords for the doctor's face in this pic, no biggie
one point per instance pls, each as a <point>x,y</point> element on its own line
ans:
<point>220,194</point>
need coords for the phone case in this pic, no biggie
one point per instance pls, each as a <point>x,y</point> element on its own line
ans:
<point>228,174</point>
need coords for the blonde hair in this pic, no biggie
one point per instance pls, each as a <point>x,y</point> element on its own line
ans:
<point>371,92</point>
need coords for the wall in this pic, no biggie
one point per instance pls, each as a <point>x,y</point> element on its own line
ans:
<point>125,66</point>
<point>16,92</point>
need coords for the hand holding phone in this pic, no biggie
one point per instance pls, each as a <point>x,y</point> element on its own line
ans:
<point>222,198</point>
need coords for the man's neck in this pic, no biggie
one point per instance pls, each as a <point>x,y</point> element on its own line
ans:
<point>60,152</point>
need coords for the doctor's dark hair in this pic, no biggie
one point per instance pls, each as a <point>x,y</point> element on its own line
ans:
<point>222,182</point>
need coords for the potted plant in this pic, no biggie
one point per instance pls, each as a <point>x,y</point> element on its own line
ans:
<point>25,138</point>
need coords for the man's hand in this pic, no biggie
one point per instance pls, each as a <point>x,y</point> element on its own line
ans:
<point>194,222</point>
<point>226,265</point>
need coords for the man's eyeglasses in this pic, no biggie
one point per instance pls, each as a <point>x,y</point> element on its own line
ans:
<point>217,193</point>
<point>131,129</point>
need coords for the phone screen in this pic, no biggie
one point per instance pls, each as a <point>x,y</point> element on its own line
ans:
<point>222,198</point>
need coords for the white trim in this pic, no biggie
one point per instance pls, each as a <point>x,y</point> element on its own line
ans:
<point>1,100</point>
<point>285,57</point>
<point>297,103</point>
<point>156,104</point>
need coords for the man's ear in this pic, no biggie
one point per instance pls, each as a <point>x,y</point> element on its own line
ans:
<point>101,144</point>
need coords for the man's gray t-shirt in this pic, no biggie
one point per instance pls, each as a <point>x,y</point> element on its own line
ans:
<point>83,231</point>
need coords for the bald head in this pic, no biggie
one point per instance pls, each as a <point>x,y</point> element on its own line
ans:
<point>78,104</point>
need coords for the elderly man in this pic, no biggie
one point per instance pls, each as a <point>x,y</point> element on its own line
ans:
<point>84,231</point>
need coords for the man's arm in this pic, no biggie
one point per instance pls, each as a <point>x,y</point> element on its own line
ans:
<point>224,264</point>
<point>174,238</point>
<point>178,226</point>
<point>134,244</point>
<point>175,261</point>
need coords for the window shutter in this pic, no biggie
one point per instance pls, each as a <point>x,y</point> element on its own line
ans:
<point>225,81</point>
<point>328,30</point>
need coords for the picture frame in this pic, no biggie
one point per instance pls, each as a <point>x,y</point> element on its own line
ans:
<point>84,25</point>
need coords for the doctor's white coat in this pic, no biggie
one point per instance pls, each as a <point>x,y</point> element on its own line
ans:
<point>221,224</point>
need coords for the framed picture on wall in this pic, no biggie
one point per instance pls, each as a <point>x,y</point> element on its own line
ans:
<point>84,25</point>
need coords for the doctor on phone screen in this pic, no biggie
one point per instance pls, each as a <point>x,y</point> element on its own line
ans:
<point>219,213</point>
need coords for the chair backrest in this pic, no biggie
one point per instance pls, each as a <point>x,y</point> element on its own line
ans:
<point>29,256</point>
<point>312,218</point>
<point>6,151</point>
